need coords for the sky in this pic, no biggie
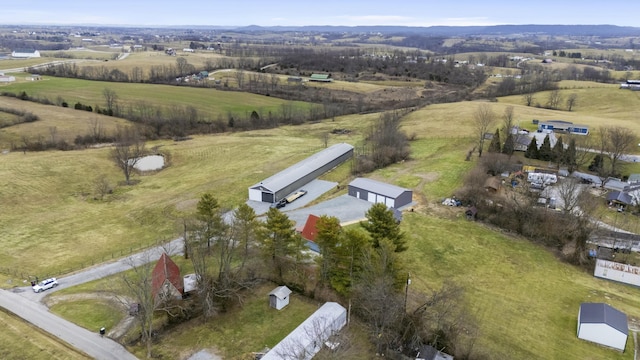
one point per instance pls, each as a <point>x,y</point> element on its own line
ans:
<point>325,12</point>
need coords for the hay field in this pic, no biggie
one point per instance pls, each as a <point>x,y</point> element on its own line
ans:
<point>48,197</point>
<point>210,102</point>
<point>68,122</point>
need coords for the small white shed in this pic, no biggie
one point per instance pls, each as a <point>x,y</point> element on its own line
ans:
<point>279,297</point>
<point>602,324</point>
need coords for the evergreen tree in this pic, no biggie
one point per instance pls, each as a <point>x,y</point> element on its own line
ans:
<point>558,153</point>
<point>532,149</point>
<point>494,147</point>
<point>245,228</point>
<point>279,243</point>
<point>349,260</point>
<point>328,236</point>
<point>208,211</point>
<point>571,156</point>
<point>509,144</point>
<point>381,224</point>
<point>545,153</point>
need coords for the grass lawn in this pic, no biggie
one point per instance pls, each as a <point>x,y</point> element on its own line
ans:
<point>525,300</point>
<point>239,331</point>
<point>90,314</point>
<point>21,340</point>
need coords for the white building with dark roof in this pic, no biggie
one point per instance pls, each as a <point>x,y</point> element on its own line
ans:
<point>602,324</point>
<point>278,186</point>
<point>25,53</point>
<point>380,192</point>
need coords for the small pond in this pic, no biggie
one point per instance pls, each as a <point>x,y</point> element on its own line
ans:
<point>150,163</point>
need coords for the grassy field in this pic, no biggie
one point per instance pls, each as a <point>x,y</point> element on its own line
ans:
<point>138,215</point>
<point>209,102</point>
<point>20,340</point>
<point>526,301</point>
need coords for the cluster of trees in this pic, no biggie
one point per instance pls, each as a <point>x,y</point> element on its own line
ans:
<point>559,154</point>
<point>385,144</point>
<point>233,252</point>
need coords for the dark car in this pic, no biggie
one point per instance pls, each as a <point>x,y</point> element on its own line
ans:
<point>279,204</point>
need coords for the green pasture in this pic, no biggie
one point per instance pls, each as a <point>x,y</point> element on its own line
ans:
<point>211,103</point>
<point>21,340</point>
<point>525,300</point>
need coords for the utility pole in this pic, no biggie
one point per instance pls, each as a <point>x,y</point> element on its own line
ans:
<point>406,291</point>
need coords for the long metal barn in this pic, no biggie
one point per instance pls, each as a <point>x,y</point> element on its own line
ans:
<point>278,186</point>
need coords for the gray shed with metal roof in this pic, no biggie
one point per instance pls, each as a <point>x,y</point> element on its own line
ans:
<point>279,297</point>
<point>602,324</point>
<point>380,192</point>
<point>278,186</point>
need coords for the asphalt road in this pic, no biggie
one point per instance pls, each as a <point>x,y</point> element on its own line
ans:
<point>86,341</point>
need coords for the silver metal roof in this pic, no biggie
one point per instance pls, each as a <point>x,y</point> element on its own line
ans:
<point>600,313</point>
<point>287,176</point>
<point>378,187</point>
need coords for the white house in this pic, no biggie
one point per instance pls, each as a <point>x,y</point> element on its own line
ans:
<point>279,297</point>
<point>602,324</point>
<point>307,339</point>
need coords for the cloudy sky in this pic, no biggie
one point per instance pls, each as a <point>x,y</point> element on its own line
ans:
<point>326,12</point>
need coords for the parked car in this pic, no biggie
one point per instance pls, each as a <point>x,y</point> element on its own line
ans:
<point>279,204</point>
<point>45,285</point>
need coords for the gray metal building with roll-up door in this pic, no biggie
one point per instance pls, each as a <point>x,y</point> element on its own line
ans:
<point>379,192</point>
<point>278,186</point>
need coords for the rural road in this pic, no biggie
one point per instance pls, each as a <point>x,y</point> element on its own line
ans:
<point>84,340</point>
<point>24,69</point>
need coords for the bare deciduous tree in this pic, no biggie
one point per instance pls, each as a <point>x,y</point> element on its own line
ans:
<point>569,191</point>
<point>620,141</point>
<point>571,101</point>
<point>507,129</point>
<point>554,99</point>
<point>101,186</point>
<point>111,100</point>
<point>128,150</point>
<point>482,120</point>
<point>240,78</point>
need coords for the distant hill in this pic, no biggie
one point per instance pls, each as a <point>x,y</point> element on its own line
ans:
<point>578,30</point>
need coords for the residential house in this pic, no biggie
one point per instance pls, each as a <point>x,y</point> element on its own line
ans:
<point>166,281</point>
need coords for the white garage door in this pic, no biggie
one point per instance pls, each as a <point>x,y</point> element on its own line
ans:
<point>372,197</point>
<point>380,199</point>
<point>255,195</point>
<point>389,202</point>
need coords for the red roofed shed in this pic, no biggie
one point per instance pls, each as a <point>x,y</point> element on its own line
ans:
<point>165,279</point>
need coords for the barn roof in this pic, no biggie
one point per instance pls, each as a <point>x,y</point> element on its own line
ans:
<point>378,187</point>
<point>310,231</point>
<point>287,176</point>
<point>165,269</point>
<point>600,313</point>
<point>281,292</point>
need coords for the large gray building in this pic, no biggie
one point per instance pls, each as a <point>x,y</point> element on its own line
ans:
<point>278,186</point>
<point>379,192</point>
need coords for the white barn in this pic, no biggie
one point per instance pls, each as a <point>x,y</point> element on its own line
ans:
<point>280,185</point>
<point>25,53</point>
<point>602,324</point>
<point>306,340</point>
<point>279,297</point>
